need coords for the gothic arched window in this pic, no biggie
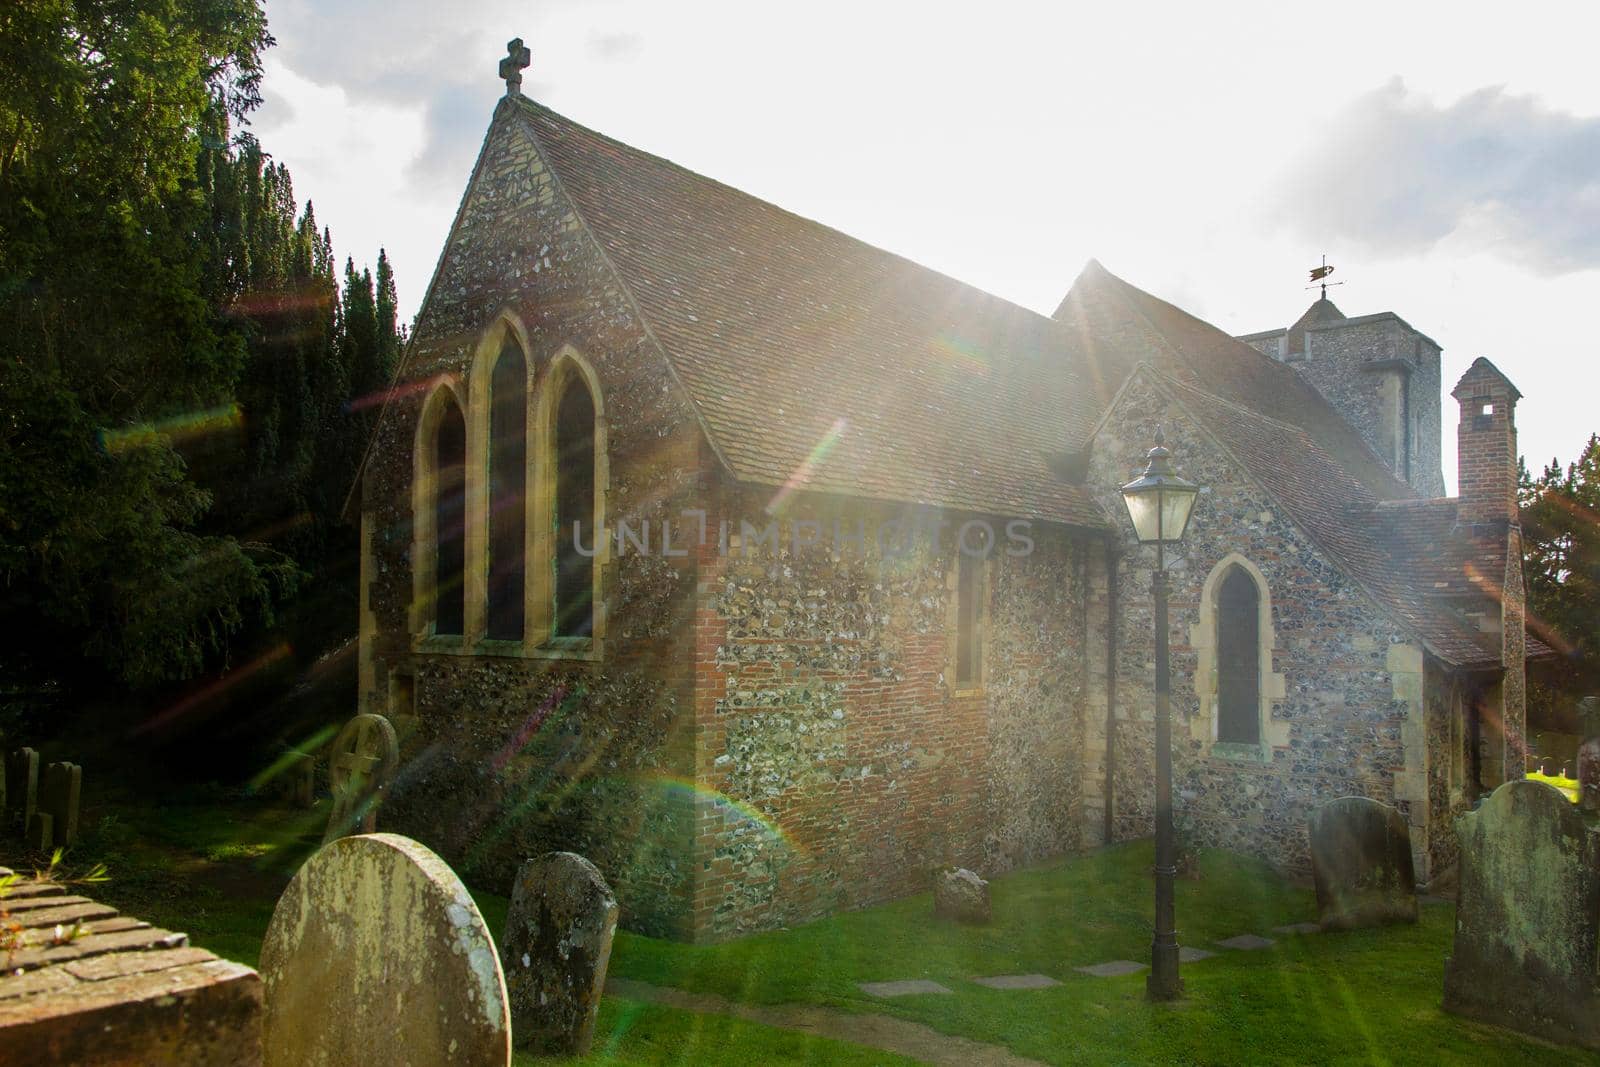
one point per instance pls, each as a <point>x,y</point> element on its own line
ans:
<point>1238,658</point>
<point>576,535</point>
<point>449,520</point>
<point>508,477</point>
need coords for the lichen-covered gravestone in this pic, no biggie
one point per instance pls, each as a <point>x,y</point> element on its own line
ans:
<point>377,955</point>
<point>59,795</point>
<point>1361,864</point>
<point>555,951</point>
<point>961,895</point>
<point>1528,916</point>
<point>360,763</point>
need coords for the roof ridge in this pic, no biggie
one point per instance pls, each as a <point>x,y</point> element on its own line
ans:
<point>1242,409</point>
<point>537,107</point>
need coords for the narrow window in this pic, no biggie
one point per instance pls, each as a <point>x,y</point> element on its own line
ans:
<point>1238,658</point>
<point>969,619</point>
<point>574,511</point>
<point>508,475</point>
<point>449,508</point>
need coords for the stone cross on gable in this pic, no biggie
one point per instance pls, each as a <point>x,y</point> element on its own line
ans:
<point>511,67</point>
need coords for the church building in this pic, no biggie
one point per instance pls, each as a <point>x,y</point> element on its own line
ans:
<point>773,571</point>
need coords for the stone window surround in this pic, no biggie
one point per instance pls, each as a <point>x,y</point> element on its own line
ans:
<point>548,378</point>
<point>1203,639</point>
<point>981,626</point>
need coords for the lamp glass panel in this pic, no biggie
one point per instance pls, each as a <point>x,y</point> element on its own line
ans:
<point>1175,508</point>
<point>1143,509</point>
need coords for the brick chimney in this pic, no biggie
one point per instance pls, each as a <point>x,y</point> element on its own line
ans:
<point>1486,445</point>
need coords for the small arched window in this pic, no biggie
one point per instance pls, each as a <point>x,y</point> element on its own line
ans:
<point>1238,658</point>
<point>576,536</point>
<point>508,477</point>
<point>449,520</point>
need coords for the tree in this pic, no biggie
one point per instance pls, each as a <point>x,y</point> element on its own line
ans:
<point>177,362</point>
<point>1561,559</point>
<point>109,351</point>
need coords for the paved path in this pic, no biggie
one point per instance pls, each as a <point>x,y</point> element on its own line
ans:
<point>899,1036</point>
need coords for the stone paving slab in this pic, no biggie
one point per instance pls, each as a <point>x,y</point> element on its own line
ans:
<point>1018,981</point>
<point>1193,955</point>
<point>1113,969</point>
<point>1246,942</point>
<point>904,988</point>
<point>1298,928</point>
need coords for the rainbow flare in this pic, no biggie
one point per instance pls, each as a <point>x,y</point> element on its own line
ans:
<point>173,428</point>
<point>808,467</point>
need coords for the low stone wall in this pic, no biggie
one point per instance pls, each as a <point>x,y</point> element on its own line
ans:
<point>86,985</point>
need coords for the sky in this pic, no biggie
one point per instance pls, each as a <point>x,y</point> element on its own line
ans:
<point>1444,157</point>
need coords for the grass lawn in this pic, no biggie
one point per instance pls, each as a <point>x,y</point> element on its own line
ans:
<point>215,869</point>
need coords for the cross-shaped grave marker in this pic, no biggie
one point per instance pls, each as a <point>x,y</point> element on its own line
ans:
<point>360,763</point>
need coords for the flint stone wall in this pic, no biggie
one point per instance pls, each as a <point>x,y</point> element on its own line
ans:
<point>1349,720</point>
<point>515,754</point>
<point>842,764</point>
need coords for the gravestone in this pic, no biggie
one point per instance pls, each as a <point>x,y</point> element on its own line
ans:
<point>297,785</point>
<point>59,794</point>
<point>1589,754</point>
<point>1361,864</point>
<point>1528,916</point>
<point>377,955</point>
<point>361,762</point>
<point>39,835</point>
<point>961,895</point>
<point>556,947</point>
<point>22,787</point>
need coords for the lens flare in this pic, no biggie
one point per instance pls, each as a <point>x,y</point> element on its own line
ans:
<point>176,428</point>
<point>809,466</point>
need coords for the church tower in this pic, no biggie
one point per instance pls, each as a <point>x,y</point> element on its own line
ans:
<point>1377,371</point>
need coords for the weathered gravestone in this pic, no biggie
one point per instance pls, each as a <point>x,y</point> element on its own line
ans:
<point>40,835</point>
<point>22,787</point>
<point>1361,864</point>
<point>360,763</point>
<point>1589,754</point>
<point>1528,916</point>
<point>961,895</point>
<point>377,955</point>
<point>556,947</point>
<point>59,793</point>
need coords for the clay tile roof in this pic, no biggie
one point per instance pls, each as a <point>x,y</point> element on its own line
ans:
<point>814,356</point>
<point>1338,513</point>
<point>1205,357</point>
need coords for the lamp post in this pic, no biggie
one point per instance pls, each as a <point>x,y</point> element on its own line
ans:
<point>1159,503</point>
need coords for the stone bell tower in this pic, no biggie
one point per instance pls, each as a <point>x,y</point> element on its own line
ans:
<point>1377,371</point>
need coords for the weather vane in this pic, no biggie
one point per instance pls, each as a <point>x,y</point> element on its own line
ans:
<point>1319,276</point>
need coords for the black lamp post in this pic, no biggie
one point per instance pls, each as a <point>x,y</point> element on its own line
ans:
<point>1159,503</point>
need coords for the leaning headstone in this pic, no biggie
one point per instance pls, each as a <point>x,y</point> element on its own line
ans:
<point>1528,916</point>
<point>555,951</point>
<point>22,789</point>
<point>961,895</point>
<point>1361,865</point>
<point>59,794</point>
<point>377,955</point>
<point>360,763</point>
<point>39,836</point>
